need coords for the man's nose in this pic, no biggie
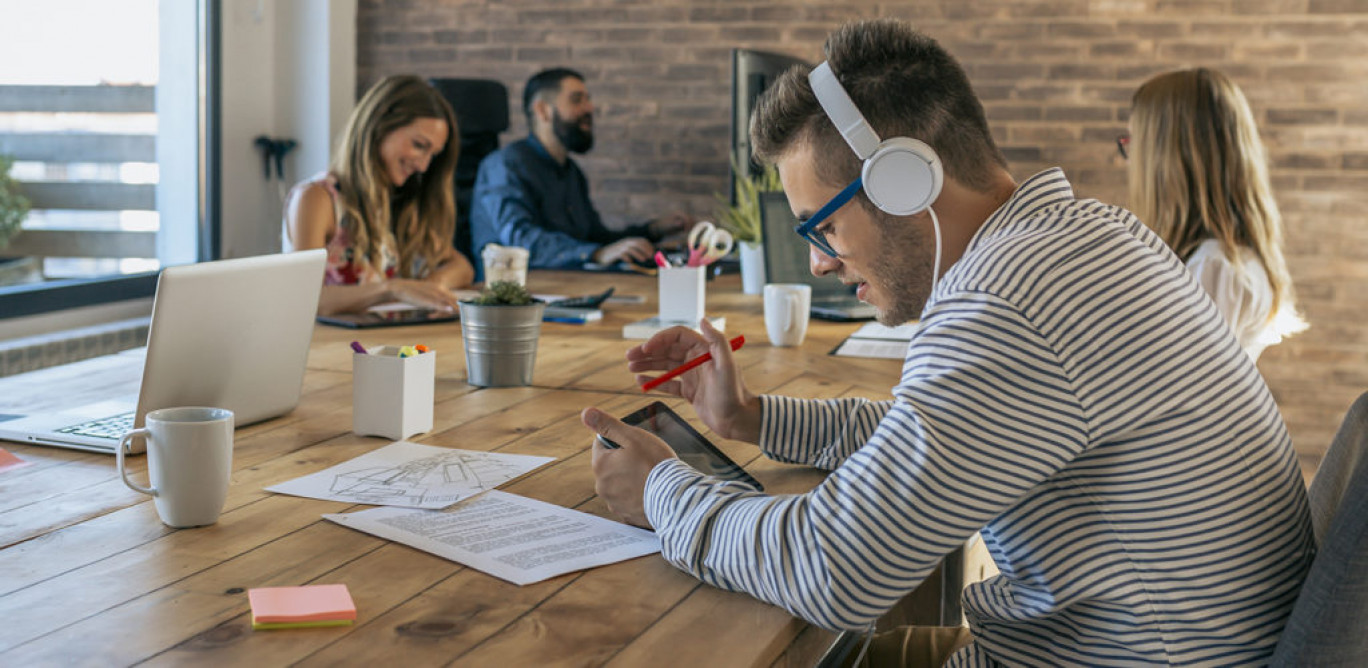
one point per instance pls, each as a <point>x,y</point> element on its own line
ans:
<point>820,263</point>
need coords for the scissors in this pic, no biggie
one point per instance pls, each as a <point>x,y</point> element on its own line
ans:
<point>708,244</point>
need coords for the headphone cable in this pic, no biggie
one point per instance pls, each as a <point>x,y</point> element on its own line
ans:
<point>935,224</point>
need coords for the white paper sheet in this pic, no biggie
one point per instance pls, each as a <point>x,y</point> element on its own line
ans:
<point>853,347</point>
<point>412,475</point>
<point>874,330</point>
<point>511,537</point>
<point>878,341</point>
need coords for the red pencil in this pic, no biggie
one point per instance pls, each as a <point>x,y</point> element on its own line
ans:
<point>649,385</point>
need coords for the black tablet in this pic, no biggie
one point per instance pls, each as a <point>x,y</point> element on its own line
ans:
<point>687,443</point>
<point>394,318</point>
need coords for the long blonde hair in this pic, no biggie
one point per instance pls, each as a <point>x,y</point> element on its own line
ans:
<point>1198,171</point>
<point>418,218</point>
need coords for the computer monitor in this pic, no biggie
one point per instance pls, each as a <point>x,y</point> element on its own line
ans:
<point>752,74</point>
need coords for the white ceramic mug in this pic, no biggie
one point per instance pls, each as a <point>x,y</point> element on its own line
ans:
<point>189,461</point>
<point>786,312</point>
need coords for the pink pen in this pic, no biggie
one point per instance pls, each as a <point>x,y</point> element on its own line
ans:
<point>660,260</point>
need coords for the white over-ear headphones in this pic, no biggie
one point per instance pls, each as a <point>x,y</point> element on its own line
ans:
<point>901,176</point>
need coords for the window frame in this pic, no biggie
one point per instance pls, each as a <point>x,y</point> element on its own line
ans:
<point>47,297</point>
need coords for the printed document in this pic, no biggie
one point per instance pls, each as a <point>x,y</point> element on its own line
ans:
<point>878,341</point>
<point>412,475</point>
<point>511,537</point>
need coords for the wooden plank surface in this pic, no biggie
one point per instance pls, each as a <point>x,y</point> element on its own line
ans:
<point>94,99</point>
<point>92,195</point>
<point>65,147</point>
<point>89,575</point>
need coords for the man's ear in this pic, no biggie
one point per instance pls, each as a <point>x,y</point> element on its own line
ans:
<point>542,110</point>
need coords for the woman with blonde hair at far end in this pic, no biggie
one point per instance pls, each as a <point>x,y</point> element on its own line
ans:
<point>385,209</point>
<point>1198,177</point>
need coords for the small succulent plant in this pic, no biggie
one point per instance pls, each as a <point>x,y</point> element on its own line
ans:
<point>503,293</point>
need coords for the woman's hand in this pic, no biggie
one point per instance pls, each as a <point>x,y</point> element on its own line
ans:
<point>421,293</point>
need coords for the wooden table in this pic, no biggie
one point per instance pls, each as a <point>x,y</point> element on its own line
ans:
<point>89,575</point>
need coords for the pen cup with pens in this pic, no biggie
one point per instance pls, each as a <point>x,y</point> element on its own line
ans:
<point>682,289</point>
<point>682,294</point>
<point>393,390</point>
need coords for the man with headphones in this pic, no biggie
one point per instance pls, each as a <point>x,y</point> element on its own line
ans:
<point>1070,395</point>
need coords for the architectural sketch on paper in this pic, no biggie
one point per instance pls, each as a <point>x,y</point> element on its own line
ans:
<point>414,482</point>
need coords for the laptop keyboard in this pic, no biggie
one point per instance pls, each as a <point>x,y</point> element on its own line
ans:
<point>112,427</point>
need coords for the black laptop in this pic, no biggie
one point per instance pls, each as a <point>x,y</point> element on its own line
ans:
<point>786,261</point>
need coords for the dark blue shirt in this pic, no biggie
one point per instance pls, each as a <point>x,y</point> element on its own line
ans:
<point>523,197</point>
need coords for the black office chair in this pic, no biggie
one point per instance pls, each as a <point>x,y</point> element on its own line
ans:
<point>1326,625</point>
<point>481,107</point>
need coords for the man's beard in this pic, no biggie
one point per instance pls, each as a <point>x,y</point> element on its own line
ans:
<point>573,137</point>
<point>902,269</point>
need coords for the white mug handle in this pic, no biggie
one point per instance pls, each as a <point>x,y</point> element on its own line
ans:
<point>789,318</point>
<point>119,461</point>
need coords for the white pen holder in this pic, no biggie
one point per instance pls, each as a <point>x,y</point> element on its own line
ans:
<point>682,293</point>
<point>392,396</point>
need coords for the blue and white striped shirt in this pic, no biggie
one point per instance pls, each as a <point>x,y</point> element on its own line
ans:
<point>1073,395</point>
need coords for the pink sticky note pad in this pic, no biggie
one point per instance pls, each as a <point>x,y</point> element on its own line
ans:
<point>9,461</point>
<point>301,604</point>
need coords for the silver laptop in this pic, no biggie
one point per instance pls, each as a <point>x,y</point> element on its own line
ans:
<point>786,261</point>
<point>232,334</point>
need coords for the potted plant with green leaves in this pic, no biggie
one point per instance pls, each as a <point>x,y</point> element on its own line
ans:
<point>14,207</point>
<point>742,219</point>
<point>501,328</point>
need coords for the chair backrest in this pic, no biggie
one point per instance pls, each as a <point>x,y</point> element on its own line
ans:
<point>481,107</point>
<point>1326,627</point>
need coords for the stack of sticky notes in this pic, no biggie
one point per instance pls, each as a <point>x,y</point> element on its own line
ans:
<point>301,607</point>
<point>9,461</point>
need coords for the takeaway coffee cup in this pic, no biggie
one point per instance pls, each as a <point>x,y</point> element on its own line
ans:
<point>504,263</point>
<point>189,460</point>
<point>786,312</point>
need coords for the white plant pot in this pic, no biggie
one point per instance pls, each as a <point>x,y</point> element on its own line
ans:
<point>752,268</point>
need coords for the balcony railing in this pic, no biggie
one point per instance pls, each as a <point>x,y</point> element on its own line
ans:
<point>81,125</point>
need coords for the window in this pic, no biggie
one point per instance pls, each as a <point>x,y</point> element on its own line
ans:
<point>109,124</point>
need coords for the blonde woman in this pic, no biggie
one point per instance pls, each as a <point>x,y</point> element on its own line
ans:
<point>385,209</point>
<point>1199,177</point>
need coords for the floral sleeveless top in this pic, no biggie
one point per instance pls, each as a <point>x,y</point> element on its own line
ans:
<point>342,267</point>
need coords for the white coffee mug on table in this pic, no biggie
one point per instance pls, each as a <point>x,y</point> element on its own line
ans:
<point>189,463</point>
<point>786,312</point>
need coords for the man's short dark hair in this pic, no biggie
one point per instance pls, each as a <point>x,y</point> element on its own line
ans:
<point>547,85</point>
<point>905,84</point>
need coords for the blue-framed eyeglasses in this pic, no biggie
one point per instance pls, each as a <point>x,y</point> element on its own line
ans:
<point>808,228</point>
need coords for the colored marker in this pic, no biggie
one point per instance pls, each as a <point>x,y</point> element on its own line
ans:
<point>660,260</point>
<point>356,345</point>
<point>422,348</point>
<point>649,385</point>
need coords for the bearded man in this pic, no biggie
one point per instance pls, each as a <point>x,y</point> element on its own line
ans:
<point>532,194</point>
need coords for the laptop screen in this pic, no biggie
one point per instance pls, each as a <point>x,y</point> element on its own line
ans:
<point>786,253</point>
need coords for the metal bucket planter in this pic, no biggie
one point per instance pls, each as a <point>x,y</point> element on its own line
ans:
<point>500,343</point>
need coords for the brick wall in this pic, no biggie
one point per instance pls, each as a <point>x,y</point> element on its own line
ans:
<point>1055,75</point>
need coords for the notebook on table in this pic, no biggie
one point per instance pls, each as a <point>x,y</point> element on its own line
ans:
<point>231,334</point>
<point>786,261</point>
